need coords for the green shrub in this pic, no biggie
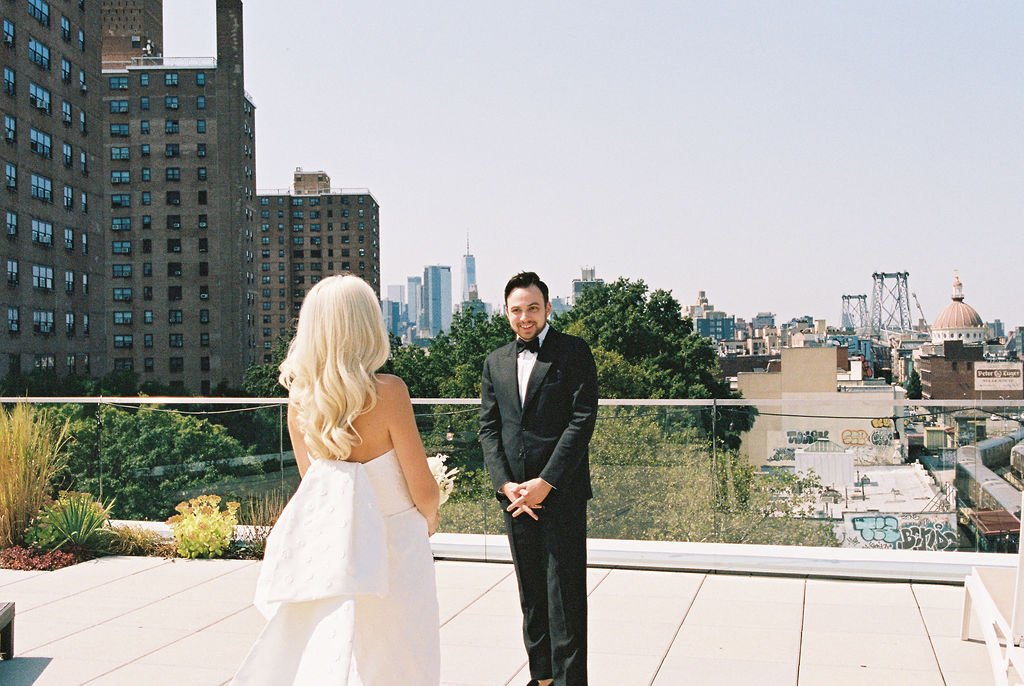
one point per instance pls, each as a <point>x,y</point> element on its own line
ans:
<point>201,528</point>
<point>74,519</point>
<point>31,457</point>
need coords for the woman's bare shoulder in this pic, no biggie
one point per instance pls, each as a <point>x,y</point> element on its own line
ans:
<point>391,387</point>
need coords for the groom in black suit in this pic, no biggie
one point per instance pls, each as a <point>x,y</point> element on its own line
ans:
<point>537,414</point>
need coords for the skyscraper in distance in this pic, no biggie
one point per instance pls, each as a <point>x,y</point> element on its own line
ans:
<point>468,274</point>
<point>437,300</point>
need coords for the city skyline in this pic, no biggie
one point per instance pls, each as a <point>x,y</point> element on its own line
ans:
<point>772,156</point>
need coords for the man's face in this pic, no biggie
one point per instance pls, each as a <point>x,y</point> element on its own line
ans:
<point>527,312</point>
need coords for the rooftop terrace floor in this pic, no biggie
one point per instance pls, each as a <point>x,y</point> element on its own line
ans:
<point>152,621</point>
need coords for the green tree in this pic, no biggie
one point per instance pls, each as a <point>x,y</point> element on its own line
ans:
<point>118,450</point>
<point>913,386</point>
<point>260,380</point>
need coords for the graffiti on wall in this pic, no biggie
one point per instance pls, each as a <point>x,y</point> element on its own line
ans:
<point>900,531</point>
<point>806,437</point>
<point>858,437</point>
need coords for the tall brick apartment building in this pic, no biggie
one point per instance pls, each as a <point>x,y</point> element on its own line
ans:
<point>53,242</point>
<point>306,233</point>
<point>179,202</point>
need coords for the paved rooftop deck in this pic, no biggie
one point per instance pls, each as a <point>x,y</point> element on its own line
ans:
<point>151,621</point>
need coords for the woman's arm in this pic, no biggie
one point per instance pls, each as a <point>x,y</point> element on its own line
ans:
<point>397,408</point>
<point>298,441</point>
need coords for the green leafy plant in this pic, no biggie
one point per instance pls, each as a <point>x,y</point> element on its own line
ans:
<point>201,528</point>
<point>31,457</point>
<point>75,520</point>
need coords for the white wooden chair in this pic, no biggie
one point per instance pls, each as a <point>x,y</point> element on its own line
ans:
<point>995,598</point>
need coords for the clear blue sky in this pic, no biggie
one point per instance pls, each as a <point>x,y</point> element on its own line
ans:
<point>774,154</point>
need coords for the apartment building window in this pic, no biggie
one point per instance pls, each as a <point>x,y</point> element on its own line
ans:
<point>176,340</point>
<point>171,78</point>
<point>174,269</point>
<point>123,340</point>
<point>121,200</point>
<point>82,126</point>
<point>120,153</point>
<point>204,245</point>
<point>173,173</point>
<point>85,243</point>
<point>144,80</point>
<point>39,97</point>
<point>171,126</point>
<point>147,198</point>
<point>144,150</point>
<point>119,130</point>
<point>40,143</point>
<point>67,155</point>
<point>204,316</point>
<point>121,247</point>
<point>147,269</point>
<point>12,271</point>
<point>201,198</point>
<point>201,173</point>
<point>204,269</point>
<point>10,128</point>
<point>121,176</point>
<point>200,78</point>
<point>11,176</point>
<point>69,281</point>
<point>42,321</point>
<point>69,238</point>
<point>176,364</point>
<point>147,316</point>
<point>147,340</point>
<point>65,29</point>
<point>69,323</point>
<point>118,83</point>
<point>147,292</point>
<point>39,53</point>
<point>174,317</point>
<point>147,174</point>
<point>42,232</point>
<point>65,112</point>
<point>173,293</point>
<point>173,197</point>
<point>40,11</point>
<point>203,221</point>
<point>147,364</point>
<point>119,107</point>
<point>8,32</point>
<point>200,102</point>
<point>81,38</point>
<point>200,126</point>
<point>147,246</point>
<point>121,224</point>
<point>45,361</point>
<point>204,365</point>
<point>121,271</point>
<point>122,294</point>
<point>65,70</point>
<point>13,320</point>
<point>122,318</point>
<point>144,126</point>
<point>172,150</point>
<point>174,222</point>
<point>200,149</point>
<point>123,364</point>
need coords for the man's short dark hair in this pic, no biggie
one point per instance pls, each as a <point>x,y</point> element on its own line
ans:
<point>525,280</point>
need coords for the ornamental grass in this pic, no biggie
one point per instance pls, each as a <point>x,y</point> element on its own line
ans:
<point>31,457</point>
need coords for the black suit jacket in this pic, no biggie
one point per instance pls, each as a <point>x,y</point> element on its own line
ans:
<point>548,436</point>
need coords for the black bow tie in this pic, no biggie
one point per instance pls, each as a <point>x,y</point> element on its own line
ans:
<point>533,345</point>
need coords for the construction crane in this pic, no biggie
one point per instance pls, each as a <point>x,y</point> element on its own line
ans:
<point>924,320</point>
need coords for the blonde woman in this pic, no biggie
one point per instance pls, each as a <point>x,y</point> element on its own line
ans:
<point>347,582</point>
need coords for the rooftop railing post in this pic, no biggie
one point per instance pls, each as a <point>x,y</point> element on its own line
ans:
<point>714,468</point>
<point>280,443</point>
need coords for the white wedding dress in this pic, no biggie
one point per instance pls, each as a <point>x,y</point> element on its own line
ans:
<point>347,584</point>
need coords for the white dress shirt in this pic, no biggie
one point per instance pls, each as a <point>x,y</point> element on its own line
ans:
<point>524,366</point>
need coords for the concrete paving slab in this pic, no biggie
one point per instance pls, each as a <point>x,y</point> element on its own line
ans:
<point>840,675</point>
<point>705,671</point>
<point>868,650</point>
<point>736,643</point>
<point>897,619</point>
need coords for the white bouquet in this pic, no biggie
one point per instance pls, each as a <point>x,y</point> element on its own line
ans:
<point>444,477</point>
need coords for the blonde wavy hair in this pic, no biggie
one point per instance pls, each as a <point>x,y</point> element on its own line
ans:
<point>339,344</point>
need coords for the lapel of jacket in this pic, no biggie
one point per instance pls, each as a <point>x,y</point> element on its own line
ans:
<point>506,381</point>
<point>541,366</point>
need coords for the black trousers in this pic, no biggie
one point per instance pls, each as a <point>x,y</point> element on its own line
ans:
<point>550,557</point>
